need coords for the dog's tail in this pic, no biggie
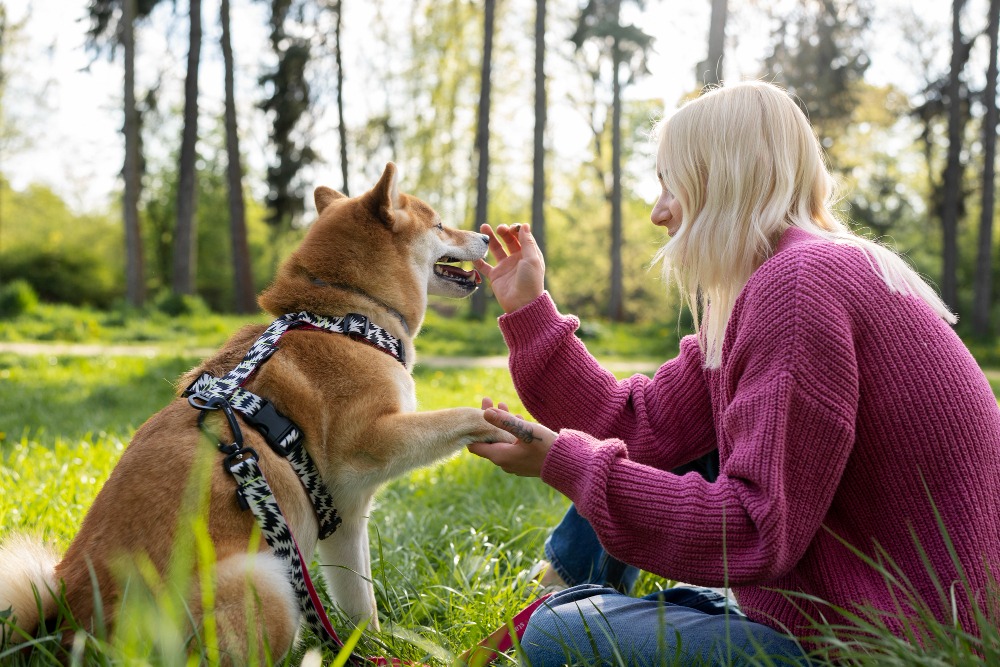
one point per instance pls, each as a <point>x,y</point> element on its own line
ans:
<point>27,586</point>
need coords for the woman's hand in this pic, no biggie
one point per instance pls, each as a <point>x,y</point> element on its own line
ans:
<point>519,275</point>
<point>526,456</point>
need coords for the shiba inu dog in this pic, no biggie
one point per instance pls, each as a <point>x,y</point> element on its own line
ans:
<point>378,256</point>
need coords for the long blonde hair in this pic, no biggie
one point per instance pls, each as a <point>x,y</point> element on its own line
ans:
<point>745,166</point>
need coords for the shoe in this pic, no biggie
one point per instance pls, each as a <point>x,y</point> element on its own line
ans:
<point>541,579</point>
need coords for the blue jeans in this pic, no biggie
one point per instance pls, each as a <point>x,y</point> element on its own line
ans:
<point>595,622</point>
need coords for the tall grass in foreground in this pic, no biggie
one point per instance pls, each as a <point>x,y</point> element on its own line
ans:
<point>451,544</point>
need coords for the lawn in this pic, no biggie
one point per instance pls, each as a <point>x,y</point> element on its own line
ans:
<point>451,543</point>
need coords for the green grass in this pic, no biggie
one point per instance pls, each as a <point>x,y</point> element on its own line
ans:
<point>451,543</point>
<point>70,324</point>
<point>444,333</point>
<point>448,541</point>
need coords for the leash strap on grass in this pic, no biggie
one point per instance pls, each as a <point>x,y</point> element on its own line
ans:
<point>255,489</point>
<point>502,638</point>
<point>262,503</point>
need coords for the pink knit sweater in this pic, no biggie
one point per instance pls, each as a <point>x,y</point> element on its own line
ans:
<point>844,415</point>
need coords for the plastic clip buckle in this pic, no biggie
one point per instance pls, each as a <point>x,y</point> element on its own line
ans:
<point>275,427</point>
<point>354,319</point>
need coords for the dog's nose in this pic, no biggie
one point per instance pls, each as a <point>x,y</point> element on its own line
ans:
<point>485,238</point>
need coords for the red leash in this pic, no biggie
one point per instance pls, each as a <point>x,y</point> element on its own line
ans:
<point>485,651</point>
<point>501,639</point>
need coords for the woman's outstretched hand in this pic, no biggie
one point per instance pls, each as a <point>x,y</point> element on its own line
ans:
<point>519,275</point>
<point>524,457</point>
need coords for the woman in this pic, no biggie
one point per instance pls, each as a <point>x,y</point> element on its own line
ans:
<point>853,426</point>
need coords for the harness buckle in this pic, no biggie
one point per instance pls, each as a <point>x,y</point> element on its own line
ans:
<point>234,457</point>
<point>354,319</point>
<point>275,427</point>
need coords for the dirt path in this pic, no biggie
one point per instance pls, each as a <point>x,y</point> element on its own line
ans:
<point>123,350</point>
<point>94,350</point>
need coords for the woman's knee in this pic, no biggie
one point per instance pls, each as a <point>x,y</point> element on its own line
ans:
<point>579,625</point>
<point>554,628</point>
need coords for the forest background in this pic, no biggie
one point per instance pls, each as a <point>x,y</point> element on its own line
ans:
<point>179,187</point>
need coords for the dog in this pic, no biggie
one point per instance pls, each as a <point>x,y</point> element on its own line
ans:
<point>378,255</point>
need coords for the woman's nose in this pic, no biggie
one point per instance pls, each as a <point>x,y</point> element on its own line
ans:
<point>660,211</point>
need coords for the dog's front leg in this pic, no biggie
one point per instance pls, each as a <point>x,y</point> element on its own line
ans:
<point>403,441</point>
<point>346,566</point>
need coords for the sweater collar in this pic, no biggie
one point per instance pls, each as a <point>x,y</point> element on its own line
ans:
<point>794,236</point>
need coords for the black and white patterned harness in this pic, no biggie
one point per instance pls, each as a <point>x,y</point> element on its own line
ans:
<point>209,393</point>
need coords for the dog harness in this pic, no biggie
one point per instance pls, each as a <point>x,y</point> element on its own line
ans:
<point>209,393</point>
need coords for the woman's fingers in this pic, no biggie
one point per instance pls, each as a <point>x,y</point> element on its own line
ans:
<point>496,248</point>
<point>509,236</point>
<point>485,270</point>
<point>517,427</point>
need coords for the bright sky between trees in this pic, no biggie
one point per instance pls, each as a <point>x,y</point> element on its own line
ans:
<point>69,105</point>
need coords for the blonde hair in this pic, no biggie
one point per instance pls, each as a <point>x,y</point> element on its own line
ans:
<point>745,166</point>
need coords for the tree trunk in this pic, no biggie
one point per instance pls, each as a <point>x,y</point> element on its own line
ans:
<point>982,297</point>
<point>244,292</point>
<point>711,69</point>
<point>616,302</point>
<point>483,140</point>
<point>953,170</point>
<point>185,237</point>
<point>342,126</point>
<point>135,281</point>
<point>541,108</point>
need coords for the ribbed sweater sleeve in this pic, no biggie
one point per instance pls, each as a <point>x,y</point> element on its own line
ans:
<point>667,421</point>
<point>787,397</point>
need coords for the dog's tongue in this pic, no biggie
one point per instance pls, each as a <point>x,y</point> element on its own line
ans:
<point>456,271</point>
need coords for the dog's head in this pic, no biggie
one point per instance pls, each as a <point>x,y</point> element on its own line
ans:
<point>391,246</point>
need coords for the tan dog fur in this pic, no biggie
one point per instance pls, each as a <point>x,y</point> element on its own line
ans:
<point>355,404</point>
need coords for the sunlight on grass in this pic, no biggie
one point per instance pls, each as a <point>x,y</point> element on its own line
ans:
<point>451,544</point>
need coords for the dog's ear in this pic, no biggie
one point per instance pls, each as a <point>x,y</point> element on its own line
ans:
<point>384,198</point>
<point>324,196</point>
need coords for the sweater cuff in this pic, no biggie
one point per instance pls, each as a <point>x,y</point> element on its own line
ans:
<point>521,326</point>
<point>568,467</point>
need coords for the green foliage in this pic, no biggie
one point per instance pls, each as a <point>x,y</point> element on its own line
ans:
<point>442,78</point>
<point>17,298</point>
<point>62,323</point>
<point>578,259</point>
<point>64,256</point>
<point>819,54</point>
<point>214,257</point>
<point>288,103</point>
<point>600,21</point>
<point>447,331</point>
<point>180,304</point>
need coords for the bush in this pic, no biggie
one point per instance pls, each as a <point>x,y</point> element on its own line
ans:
<point>17,298</point>
<point>175,305</point>
<point>74,275</point>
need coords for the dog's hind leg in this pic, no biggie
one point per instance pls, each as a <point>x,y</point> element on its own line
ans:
<point>255,609</point>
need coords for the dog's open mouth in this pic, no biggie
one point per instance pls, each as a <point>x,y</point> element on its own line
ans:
<point>449,269</point>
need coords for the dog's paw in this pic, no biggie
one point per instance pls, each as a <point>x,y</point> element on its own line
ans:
<point>489,433</point>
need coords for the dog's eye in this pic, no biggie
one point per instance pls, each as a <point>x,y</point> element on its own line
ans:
<point>440,226</point>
